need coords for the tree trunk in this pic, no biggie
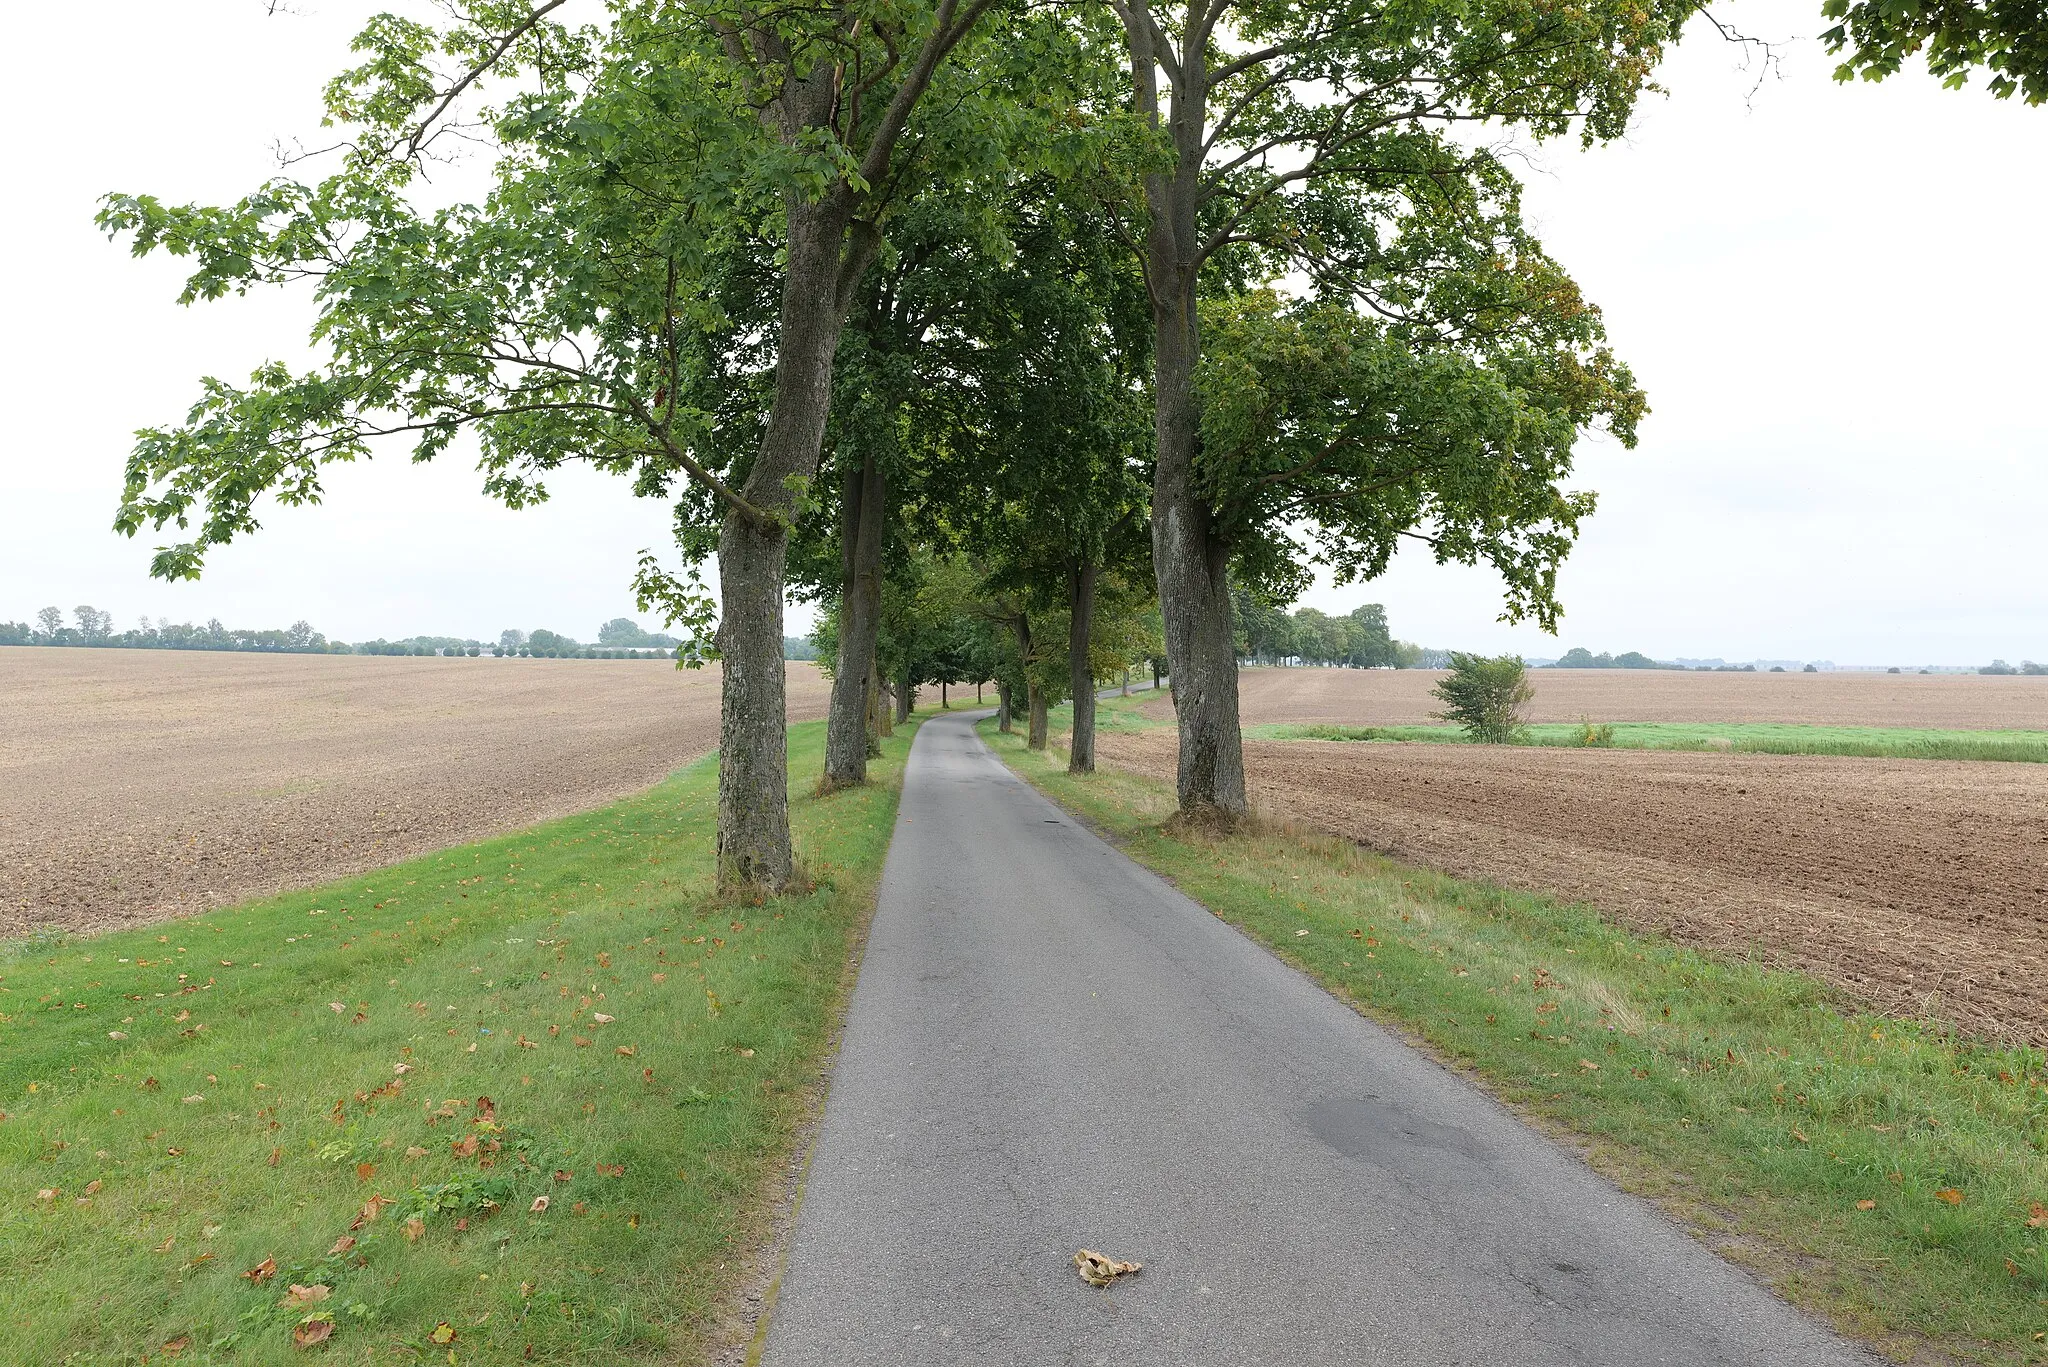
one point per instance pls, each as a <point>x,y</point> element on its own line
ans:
<point>753,547</point>
<point>878,699</point>
<point>1155,675</point>
<point>906,694</point>
<point>1125,691</point>
<point>943,704</point>
<point>1003,707</point>
<point>861,524</point>
<point>1189,557</point>
<point>1035,700</point>
<point>1080,670</point>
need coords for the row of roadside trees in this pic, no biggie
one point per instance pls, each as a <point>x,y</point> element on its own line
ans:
<point>1054,320</point>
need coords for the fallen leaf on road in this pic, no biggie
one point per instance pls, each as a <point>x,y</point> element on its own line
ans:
<point>1096,1270</point>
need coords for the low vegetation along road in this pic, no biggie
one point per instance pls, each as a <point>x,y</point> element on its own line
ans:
<point>1050,1049</point>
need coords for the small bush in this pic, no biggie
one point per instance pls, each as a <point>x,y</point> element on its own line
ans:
<point>1484,694</point>
<point>1598,737</point>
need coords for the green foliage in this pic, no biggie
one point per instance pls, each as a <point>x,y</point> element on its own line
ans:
<point>2007,38</point>
<point>1484,695</point>
<point>1317,413</point>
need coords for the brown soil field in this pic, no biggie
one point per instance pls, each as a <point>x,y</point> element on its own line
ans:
<point>1401,697</point>
<point>1918,886</point>
<point>141,784</point>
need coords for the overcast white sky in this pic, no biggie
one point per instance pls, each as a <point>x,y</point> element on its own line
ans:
<point>1831,293</point>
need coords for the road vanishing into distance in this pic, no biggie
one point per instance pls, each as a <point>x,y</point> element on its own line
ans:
<point>1050,1049</point>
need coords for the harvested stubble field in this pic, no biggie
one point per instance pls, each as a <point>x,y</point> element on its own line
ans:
<point>137,785</point>
<point>1919,886</point>
<point>1401,697</point>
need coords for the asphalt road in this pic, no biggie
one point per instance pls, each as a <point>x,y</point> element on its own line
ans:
<point>1050,1049</point>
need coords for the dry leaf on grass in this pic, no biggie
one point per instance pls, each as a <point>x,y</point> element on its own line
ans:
<point>307,1295</point>
<point>1950,1195</point>
<point>342,1245</point>
<point>311,1330</point>
<point>441,1334</point>
<point>265,1270</point>
<point>1097,1270</point>
<point>540,1204</point>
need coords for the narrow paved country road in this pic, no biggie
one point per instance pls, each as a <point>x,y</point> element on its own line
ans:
<point>1050,1049</point>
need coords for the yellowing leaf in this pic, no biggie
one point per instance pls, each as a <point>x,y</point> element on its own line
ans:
<point>1098,1270</point>
<point>441,1334</point>
<point>1950,1195</point>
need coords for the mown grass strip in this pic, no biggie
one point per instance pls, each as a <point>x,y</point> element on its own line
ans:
<point>1874,742</point>
<point>1890,1174</point>
<point>251,1090</point>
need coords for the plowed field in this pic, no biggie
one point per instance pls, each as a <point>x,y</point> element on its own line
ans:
<point>1919,886</point>
<point>1401,697</point>
<point>141,784</point>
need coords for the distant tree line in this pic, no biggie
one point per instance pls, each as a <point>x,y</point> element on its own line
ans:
<point>96,628</point>
<point>619,639</point>
<point>1266,634</point>
<point>1578,657</point>
<point>2026,667</point>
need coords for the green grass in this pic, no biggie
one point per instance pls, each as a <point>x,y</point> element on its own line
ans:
<point>1756,1104</point>
<point>197,1096</point>
<point>1766,738</point>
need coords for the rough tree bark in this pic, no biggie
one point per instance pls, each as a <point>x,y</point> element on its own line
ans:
<point>1190,558</point>
<point>1003,707</point>
<point>906,696</point>
<point>828,246</point>
<point>1081,671</point>
<point>753,546</point>
<point>860,561</point>
<point>878,708</point>
<point>1035,702</point>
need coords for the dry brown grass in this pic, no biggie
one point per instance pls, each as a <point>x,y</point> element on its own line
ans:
<point>136,785</point>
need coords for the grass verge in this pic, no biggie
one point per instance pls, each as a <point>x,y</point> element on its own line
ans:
<point>517,1101</point>
<point>1874,742</point>
<point>1890,1175</point>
